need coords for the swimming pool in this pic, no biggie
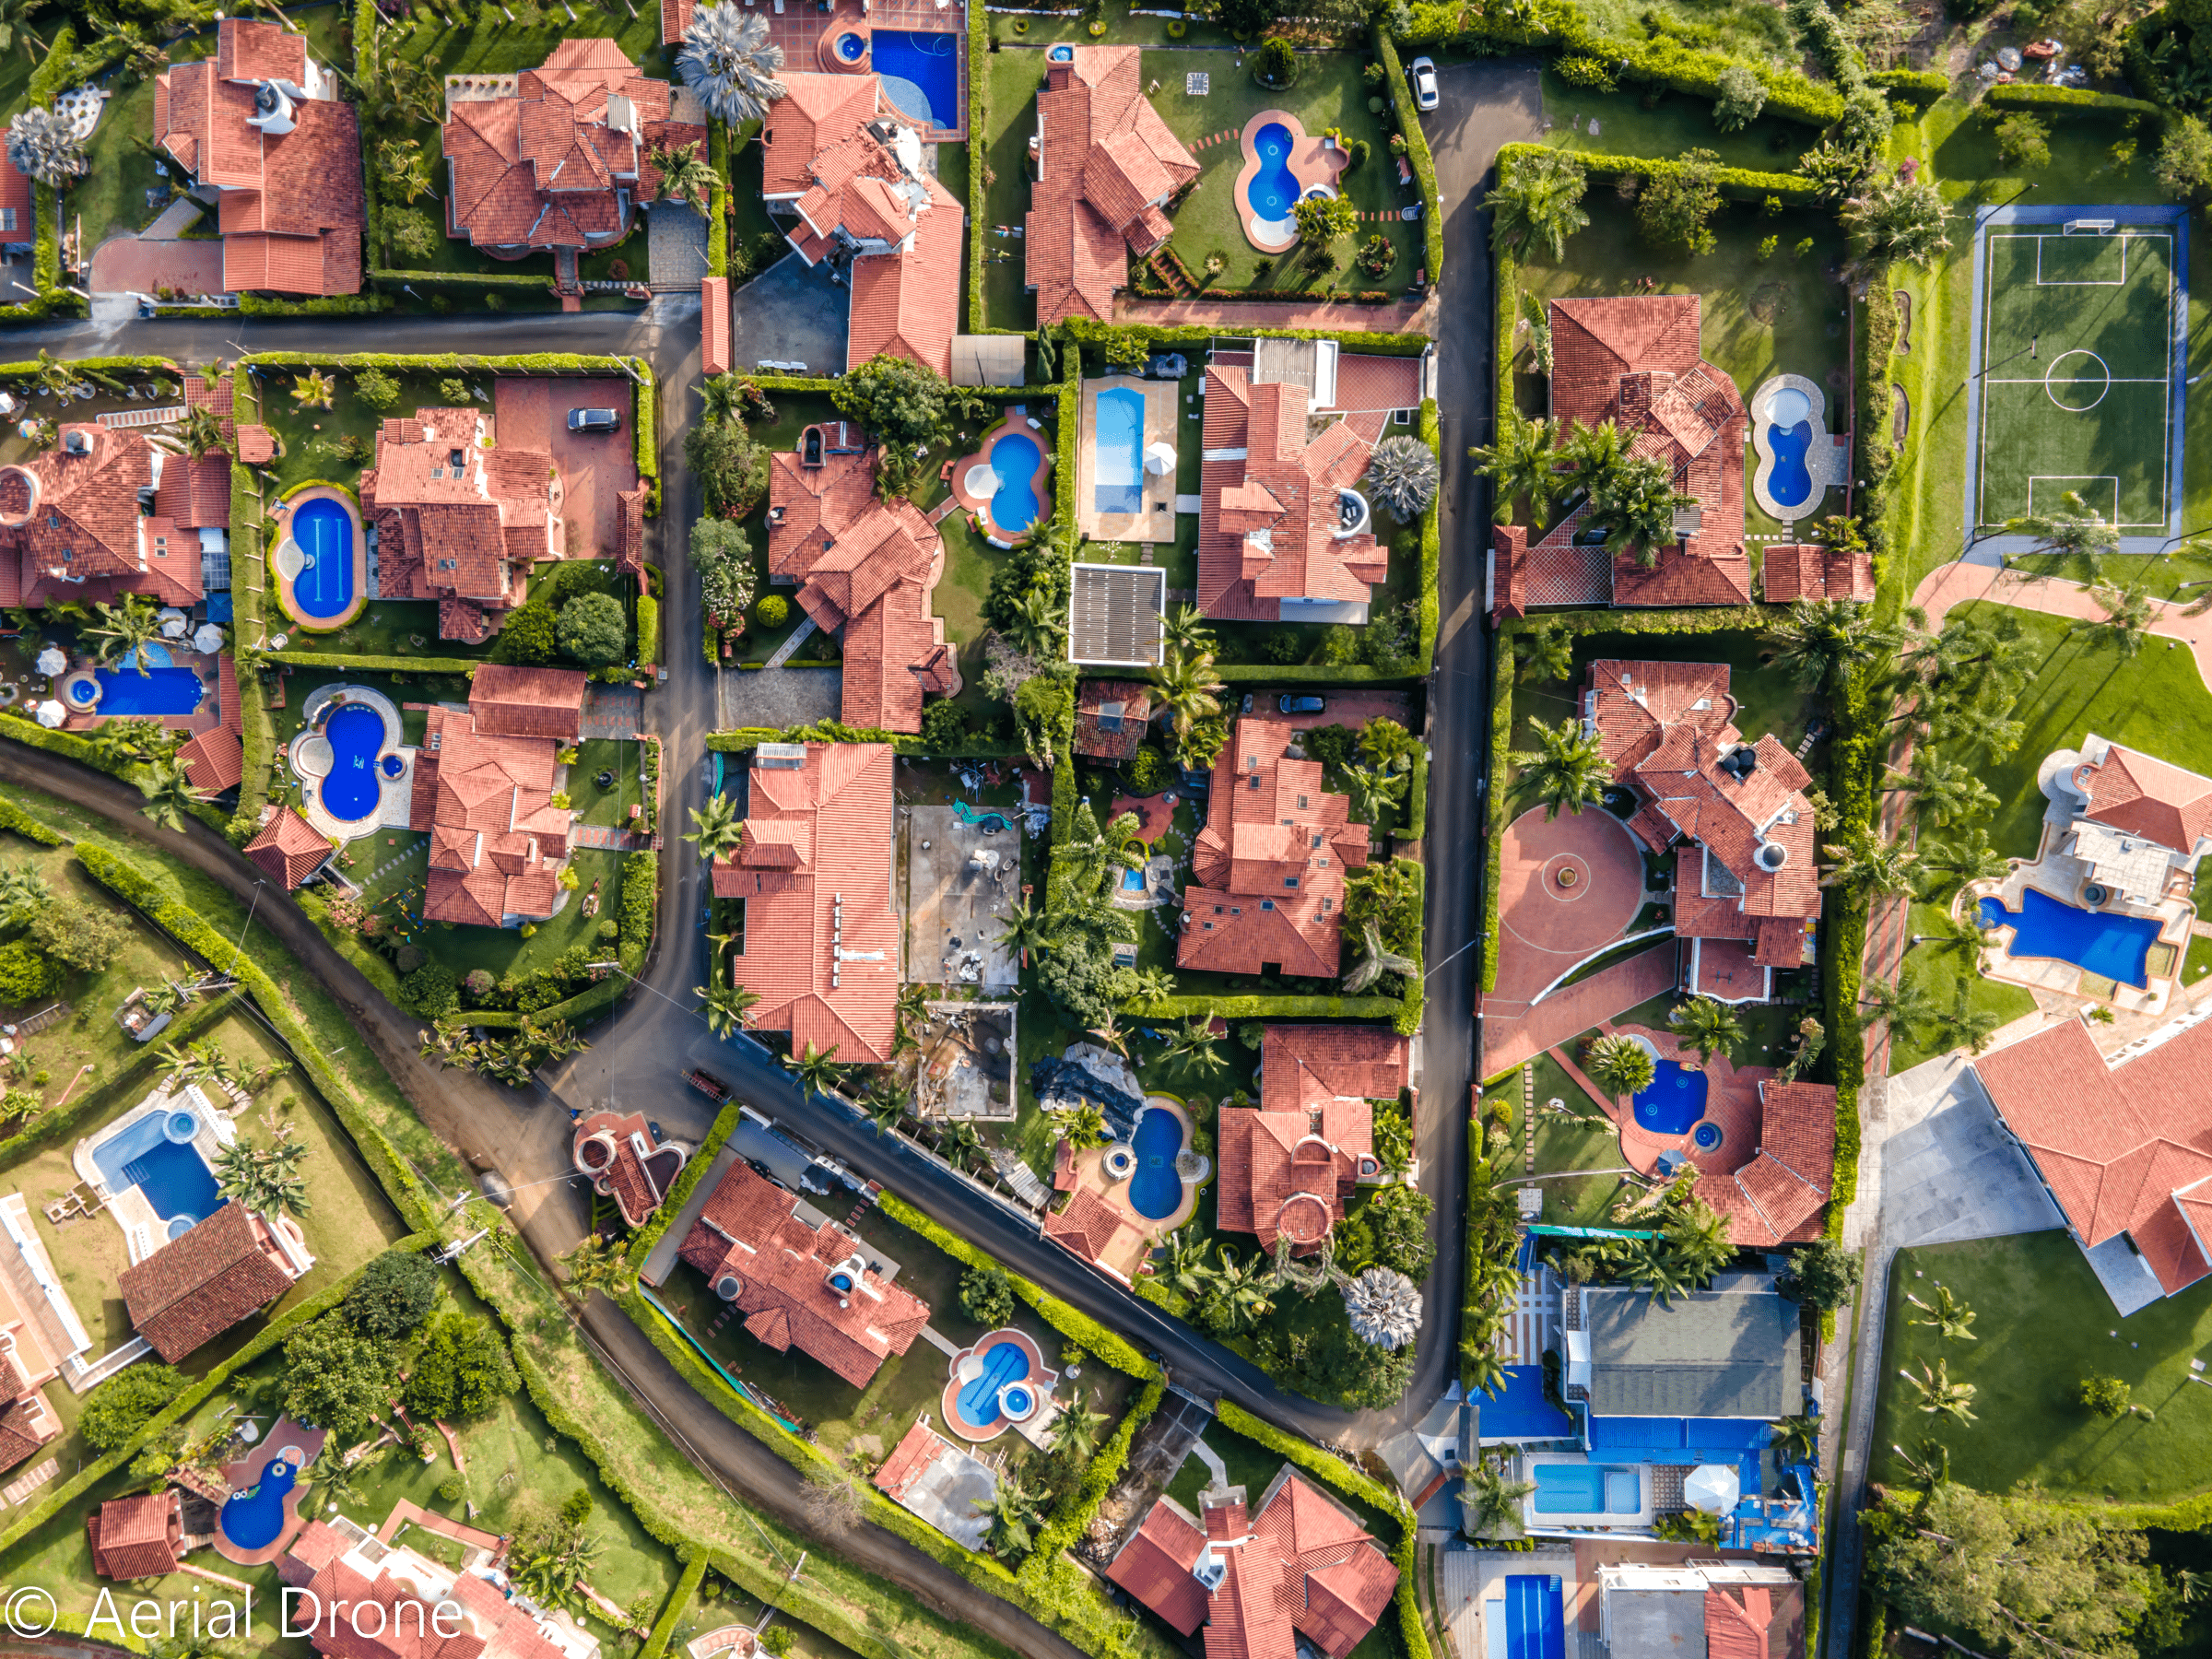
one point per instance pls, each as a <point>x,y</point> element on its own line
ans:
<point>1790,481</point>
<point>1133,881</point>
<point>1014,503</point>
<point>324,532</point>
<point>252,1518</point>
<point>157,691</point>
<point>356,734</point>
<point>1273,188</point>
<point>171,1173</point>
<point>928,63</point>
<point>1568,1488</point>
<point>978,1401</point>
<point>1672,1101</point>
<point>2115,946</point>
<point>851,47</point>
<point>1155,1190</point>
<point>1534,1626</point>
<point>1118,444</point>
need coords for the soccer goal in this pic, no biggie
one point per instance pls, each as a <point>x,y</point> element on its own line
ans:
<point>2091,227</point>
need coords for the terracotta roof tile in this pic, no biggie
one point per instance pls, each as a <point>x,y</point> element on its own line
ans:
<point>1154,1566</point>
<point>289,847</point>
<point>528,702</point>
<point>1085,1225</point>
<point>197,1286</point>
<point>1792,570</point>
<point>2142,796</point>
<point>1110,717</point>
<point>135,1537</point>
<point>214,761</point>
<point>713,325</point>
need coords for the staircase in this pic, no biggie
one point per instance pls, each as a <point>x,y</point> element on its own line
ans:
<point>565,281</point>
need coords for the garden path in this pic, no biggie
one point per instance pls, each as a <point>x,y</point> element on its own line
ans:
<point>1965,580</point>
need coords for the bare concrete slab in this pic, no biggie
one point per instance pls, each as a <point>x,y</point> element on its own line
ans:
<point>778,698</point>
<point>962,881</point>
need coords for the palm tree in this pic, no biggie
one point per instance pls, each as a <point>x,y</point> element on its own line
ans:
<point>1820,641</point>
<point>1184,688</point>
<point>1490,1503</point>
<point>1482,1367</point>
<point>167,786</point>
<point>1193,1045</point>
<point>717,828</point>
<point>1382,1306</point>
<point>1707,1026</point>
<point>1075,1431</point>
<point>817,1069</point>
<point>1539,207</point>
<point>1544,652</point>
<point>1012,1510</point>
<point>728,1007</point>
<point>1083,1126</point>
<point>264,1181</point>
<point>1619,1064</point>
<point>2075,534</point>
<point>1037,630</point>
<point>1929,1464</point>
<point>1637,504</point>
<point>1026,928</point>
<point>726,59</point>
<point>1375,961</point>
<point>885,1111</point>
<point>198,1063</point>
<point>549,1571</point>
<point>1592,452</point>
<point>335,1480</point>
<point>962,1143</point>
<point>123,630</point>
<point>1112,1035</point>
<point>1937,1394</point>
<point>1797,1438</point>
<point>1947,1315</point>
<point>1569,769</point>
<point>2128,617</point>
<point>1964,1026</point>
<point>43,145</point>
<point>597,1263</point>
<point>1239,1296</point>
<point>1967,857</point>
<point>1151,984</point>
<point>1698,1235</point>
<point>23,893</point>
<point>1943,790</point>
<point>1184,1267</point>
<point>198,431</point>
<point>1375,794</point>
<point>1522,466</point>
<point>686,175</point>
<point>314,390</point>
<point>1185,628</point>
<point>1402,476</point>
<point>1903,1004</point>
<point>1953,933</point>
<point>1870,863</point>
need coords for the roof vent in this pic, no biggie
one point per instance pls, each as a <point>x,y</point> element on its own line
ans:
<point>457,460</point>
<point>1771,855</point>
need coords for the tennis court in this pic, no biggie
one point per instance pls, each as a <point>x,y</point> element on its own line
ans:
<point>2076,371</point>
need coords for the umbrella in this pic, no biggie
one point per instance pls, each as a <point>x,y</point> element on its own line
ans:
<point>1712,1488</point>
<point>52,661</point>
<point>173,623</point>
<point>208,639</point>
<point>1159,460</point>
<point>51,715</point>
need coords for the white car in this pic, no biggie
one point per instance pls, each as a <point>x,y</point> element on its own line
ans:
<point>1424,83</point>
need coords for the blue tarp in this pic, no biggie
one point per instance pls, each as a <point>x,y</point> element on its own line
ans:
<point>1521,1412</point>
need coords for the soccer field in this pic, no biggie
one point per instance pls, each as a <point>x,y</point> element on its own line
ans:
<point>2077,372</point>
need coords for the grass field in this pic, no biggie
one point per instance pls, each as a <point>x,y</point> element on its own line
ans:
<point>2076,374</point>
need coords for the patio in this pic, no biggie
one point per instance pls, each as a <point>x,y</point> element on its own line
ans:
<point>1118,497</point>
<point>1731,1108</point>
<point>809,41</point>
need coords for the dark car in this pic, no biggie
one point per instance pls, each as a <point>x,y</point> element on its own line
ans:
<point>594,421</point>
<point>1301,705</point>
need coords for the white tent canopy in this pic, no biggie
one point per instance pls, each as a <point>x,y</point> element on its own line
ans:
<point>208,639</point>
<point>54,660</point>
<point>1159,460</point>
<point>51,715</point>
<point>1713,1488</point>
<point>173,623</point>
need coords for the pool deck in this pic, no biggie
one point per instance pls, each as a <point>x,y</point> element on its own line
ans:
<point>1133,1239</point>
<point>1017,421</point>
<point>308,758</point>
<point>215,673</point>
<point>2059,876</point>
<point>1827,456</point>
<point>278,559</point>
<point>1731,1102</point>
<point>1156,520</point>
<point>805,35</point>
<point>1312,161</point>
<point>1040,1376</point>
<point>143,1231</point>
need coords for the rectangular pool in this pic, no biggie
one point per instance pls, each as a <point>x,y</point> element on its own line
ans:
<point>2116,946</point>
<point>1533,1625</point>
<point>928,61</point>
<point>1567,1489</point>
<point>1118,451</point>
<point>157,691</point>
<point>172,1176</point>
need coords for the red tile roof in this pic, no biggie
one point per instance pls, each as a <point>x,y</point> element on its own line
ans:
<point>1111,716</point>
<point>21,1433</point>
<point>713,325</point>
<point>1634,360</point>
<point>71,528</point>
<point>814,869</point>
<point>1288,1166</point>
<point>2139,795</point>
<point>1304,1067</point>
<point>1085,1225</point>
<point>289,847</point>
<point>564,159</point>
<point>256,445</point>
<point>496,840</point>
<point>18,212</point>
<point>290,211</point>
<point>137,1538</point>
<point>1155,1565</point>
<point>620,1156</point>
<point>1268,521</point>
<point>675,16</point>
<point>867,571</point>
<point>909,1460</point>
<point>1810,571</point>
<point>1778,1196</point>
<point>490,1625</point>
<point>781,1267</point>
<point>214,761</point>
<point>1749,1629</point>
<point>528,702</point>
<point>2124,1149</point>
<point>1107,163</point>
<point>1665,727</point>
<point>1267,875</point>
<point>197,1286</point>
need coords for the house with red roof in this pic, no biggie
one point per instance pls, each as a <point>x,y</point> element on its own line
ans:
<point>137,1538</point>
<point>624,1159</point>
<point>19,211</point>
<point>261,123</point>
<point>1266,886</point>
<point>1780,1195</point>
<point>1110,718</point>
<point>1711,1609</point>
<point>288,848</point>
<point>940,1481</point>
<point>1106,167</point>
<point>1299,1569</point>
<point>1635,361</point>
<point>39,1334</point>
<point>483,793</point>
<point>1747,884</point>
<point>1289,1163</point>
<point>460,519</point>
<point>813,869</point>
<point>800,1279</point>
<point>866,570</point>
<point>201,1283</point>
<point>845,166</point>
<point>104,513</point>
<point>1794,570</point>
<point>2127,795</point>
<point>560,157</point>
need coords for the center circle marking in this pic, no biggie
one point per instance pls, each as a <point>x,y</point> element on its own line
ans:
<point>2052,374</point>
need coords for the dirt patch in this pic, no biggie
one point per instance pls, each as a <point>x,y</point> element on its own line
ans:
<point>1905,322</point>
<point>1771,302</point>
<point>1901,416</point>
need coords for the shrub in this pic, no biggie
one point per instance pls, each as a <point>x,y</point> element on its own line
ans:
<point>1586,73</point>
<point>778,1639</point>
<point>122,1406</point>
<point>455,391</point>
<point>2107,1397</point>
<point>430,991</point>
<point>1823,1275</point>
<point>1150,771</point>
<point>943,724</point>
<point>529,637</point>
<point>82,935</point>
<point>463,1368</point>
<point>1676,206</point>
<point>987,1296</point>
<point>2024,142</point>
<point>453,1488</point>
<point>394,1294</point>
<point>337,1378</point>
<point>1743,95</point>
<point>592,629</point>
<point>376,388</point>
<point>2183,168</point>
<point>773,611</point>
<point>477,982</point>
<point>1275,65</point>
<point>23,972</point>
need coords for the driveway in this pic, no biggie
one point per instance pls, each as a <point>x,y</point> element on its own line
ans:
<point>1947,1171</point>
<point>594,467</point>
<point>792,313</point>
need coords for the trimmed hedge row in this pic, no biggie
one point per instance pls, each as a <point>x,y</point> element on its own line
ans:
<point>649,631</point>
<point>257,733</point>
<point>16,727</point>
<point>745,739</point>
<point>604,994</point>
<point>645,419</point>
<point>1262,1008</point>
<point>1417,157</point>
<point>978,104</point>
<point>329,305</point>
<point>1433,542</point>
<point>687,1583</point>
<point>694,1172</point>
<point>1319,673</point>
<point>374,664</point>
<point>1738,183</point>
<point>45,266</point>
<point>509,281</point>
<point>13,816</point>
<point>718,200</point>
<point>640,893</point>
<point>1914,83</point>
<point>371,965</point>
<point>1091,332</point>
<point>2077,100</point>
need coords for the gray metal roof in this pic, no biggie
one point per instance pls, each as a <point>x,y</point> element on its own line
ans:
<point>1730,1351</point>
<point>1114,614</point>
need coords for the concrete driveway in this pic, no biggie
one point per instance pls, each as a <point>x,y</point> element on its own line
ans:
<point>1948,1170</point>
<point>792,313</point>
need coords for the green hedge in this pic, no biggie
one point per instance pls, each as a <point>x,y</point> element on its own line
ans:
<point>649,631</point>
<point>1501,804</point>
<point>718,200</point>
<point>372,963</point>
<point>13,816</point>
<point>979,106</point>
<point>330,305</point>
<point>745,739</point>
<point>694,1170</point>
<point>18,727</point>
<point>603,994</point>
<point>1916,83</point>
<point>645,419</point>
<point>1432,540</point>
<point>496,281</point>
<point>1089,331</point>
<point>641,891</point>
<point>1739,184</point>
<point>105,365</point>
<point>2073,100</point>
<point>687,1584</point>
<point>1261,1008</point>
<point>1071,1323</point>
<point>374,664</point>
<point>257,735</point>
<point>1417,156</point>
<point>1311,674</point>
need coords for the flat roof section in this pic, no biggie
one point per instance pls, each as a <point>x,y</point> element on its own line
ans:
<point>1114,614</point>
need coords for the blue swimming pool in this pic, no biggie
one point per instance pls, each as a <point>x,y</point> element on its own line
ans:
<point>930,64</point>
<point>172,1174</point>
<point>1273,188</point>
<point>1672,1101</point>
<point>1790,481</point>
<point>2115,946</point>
<point>1587,1489</point>
<point>977,1402</point>
<point>1534,1626</point>
<point>1133,881</point>
<point>324,532</point>
<point>1118,447</point>
<point>157,691</point>
<point>356,736</point>
<point>252,1518</point>
<point>1155,1190</point>
<point>1014,503</point>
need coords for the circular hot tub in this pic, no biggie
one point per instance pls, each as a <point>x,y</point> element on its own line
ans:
<point>1017,1402</point>
<point>180,1126</point>
<point>180,1225</point>
<point>2094,894</point>
<point>392,766</point>
<point>1120,1162</point>
<point>851,48</point>
<point>1707,1136</point>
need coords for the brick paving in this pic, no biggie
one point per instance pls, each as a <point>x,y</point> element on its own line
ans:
<point>612,711</point>
<point>1512,1035</point>
<point>136,265</point>
<point>1731,1102</point>
<point>676,246</point>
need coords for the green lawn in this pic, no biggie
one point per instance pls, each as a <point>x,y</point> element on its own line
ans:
<point>504,950</point>
<point>2043,1324</point>
<point>1677,122</point>
<point>1940,970</point>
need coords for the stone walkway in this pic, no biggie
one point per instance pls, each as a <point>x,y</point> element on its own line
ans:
<point>1966,580</point>
<point>676,246</point>
<point>1511,1036</point>
<point>1402,316</point>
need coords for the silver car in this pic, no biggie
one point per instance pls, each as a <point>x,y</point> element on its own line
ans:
<point>1423,71</point>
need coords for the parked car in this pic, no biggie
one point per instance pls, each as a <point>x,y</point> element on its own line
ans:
<point>1424,83</point>
<point>1301,705</point>
<point>594,421</point>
